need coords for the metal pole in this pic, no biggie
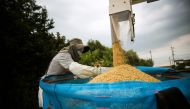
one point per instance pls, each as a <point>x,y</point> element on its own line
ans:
<point>151,55</point>
<point>172,49</point>
<point>170,62</point>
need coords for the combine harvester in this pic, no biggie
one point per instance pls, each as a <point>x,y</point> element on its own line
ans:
<point>65,92</point>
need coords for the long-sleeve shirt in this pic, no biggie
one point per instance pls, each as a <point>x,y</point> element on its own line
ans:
<point>60,63</point>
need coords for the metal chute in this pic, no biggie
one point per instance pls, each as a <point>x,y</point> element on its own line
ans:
<point>122,18</point>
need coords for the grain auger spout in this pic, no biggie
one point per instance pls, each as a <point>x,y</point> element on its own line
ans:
<point>120,12</point>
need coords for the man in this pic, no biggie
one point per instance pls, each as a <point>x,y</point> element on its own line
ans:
<point>66,61</point>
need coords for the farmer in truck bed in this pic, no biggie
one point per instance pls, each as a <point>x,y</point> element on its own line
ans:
<point>66,61</point>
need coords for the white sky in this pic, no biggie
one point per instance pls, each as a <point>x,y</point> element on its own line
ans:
<point>158,25</point>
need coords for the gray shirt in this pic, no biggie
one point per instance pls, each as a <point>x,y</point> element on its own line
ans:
<point>60,63</point>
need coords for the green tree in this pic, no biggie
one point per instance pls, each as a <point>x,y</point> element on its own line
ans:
<point>95,44</point>
<point>133,59</point>
<point>97,54</point>
<point>147,62</point>
<point>27,48</point>
<point>103,55</point>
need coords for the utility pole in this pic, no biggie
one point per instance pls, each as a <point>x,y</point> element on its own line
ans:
<point>151,55</point>
<point>172,49</point>
<point>170,61</point>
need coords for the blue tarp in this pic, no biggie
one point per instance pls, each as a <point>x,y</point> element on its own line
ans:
<point>118,95</point>
<point>154,70</point>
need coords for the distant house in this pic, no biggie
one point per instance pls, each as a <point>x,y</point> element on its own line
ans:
<point>182,63</point>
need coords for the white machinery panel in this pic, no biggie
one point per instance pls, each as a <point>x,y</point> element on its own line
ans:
<point>116,6</point>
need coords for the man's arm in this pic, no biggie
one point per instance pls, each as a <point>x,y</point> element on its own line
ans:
<point>84,71</point>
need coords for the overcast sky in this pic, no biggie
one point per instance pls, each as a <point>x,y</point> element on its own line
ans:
<point>158,25</point>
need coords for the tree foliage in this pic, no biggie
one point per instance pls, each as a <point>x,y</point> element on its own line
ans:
<point>103,55</point>
<point>133,59</point>
<point>97,54</point>
<point>27,48</point>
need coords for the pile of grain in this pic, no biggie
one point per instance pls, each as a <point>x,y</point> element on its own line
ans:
<point>123,73</point>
